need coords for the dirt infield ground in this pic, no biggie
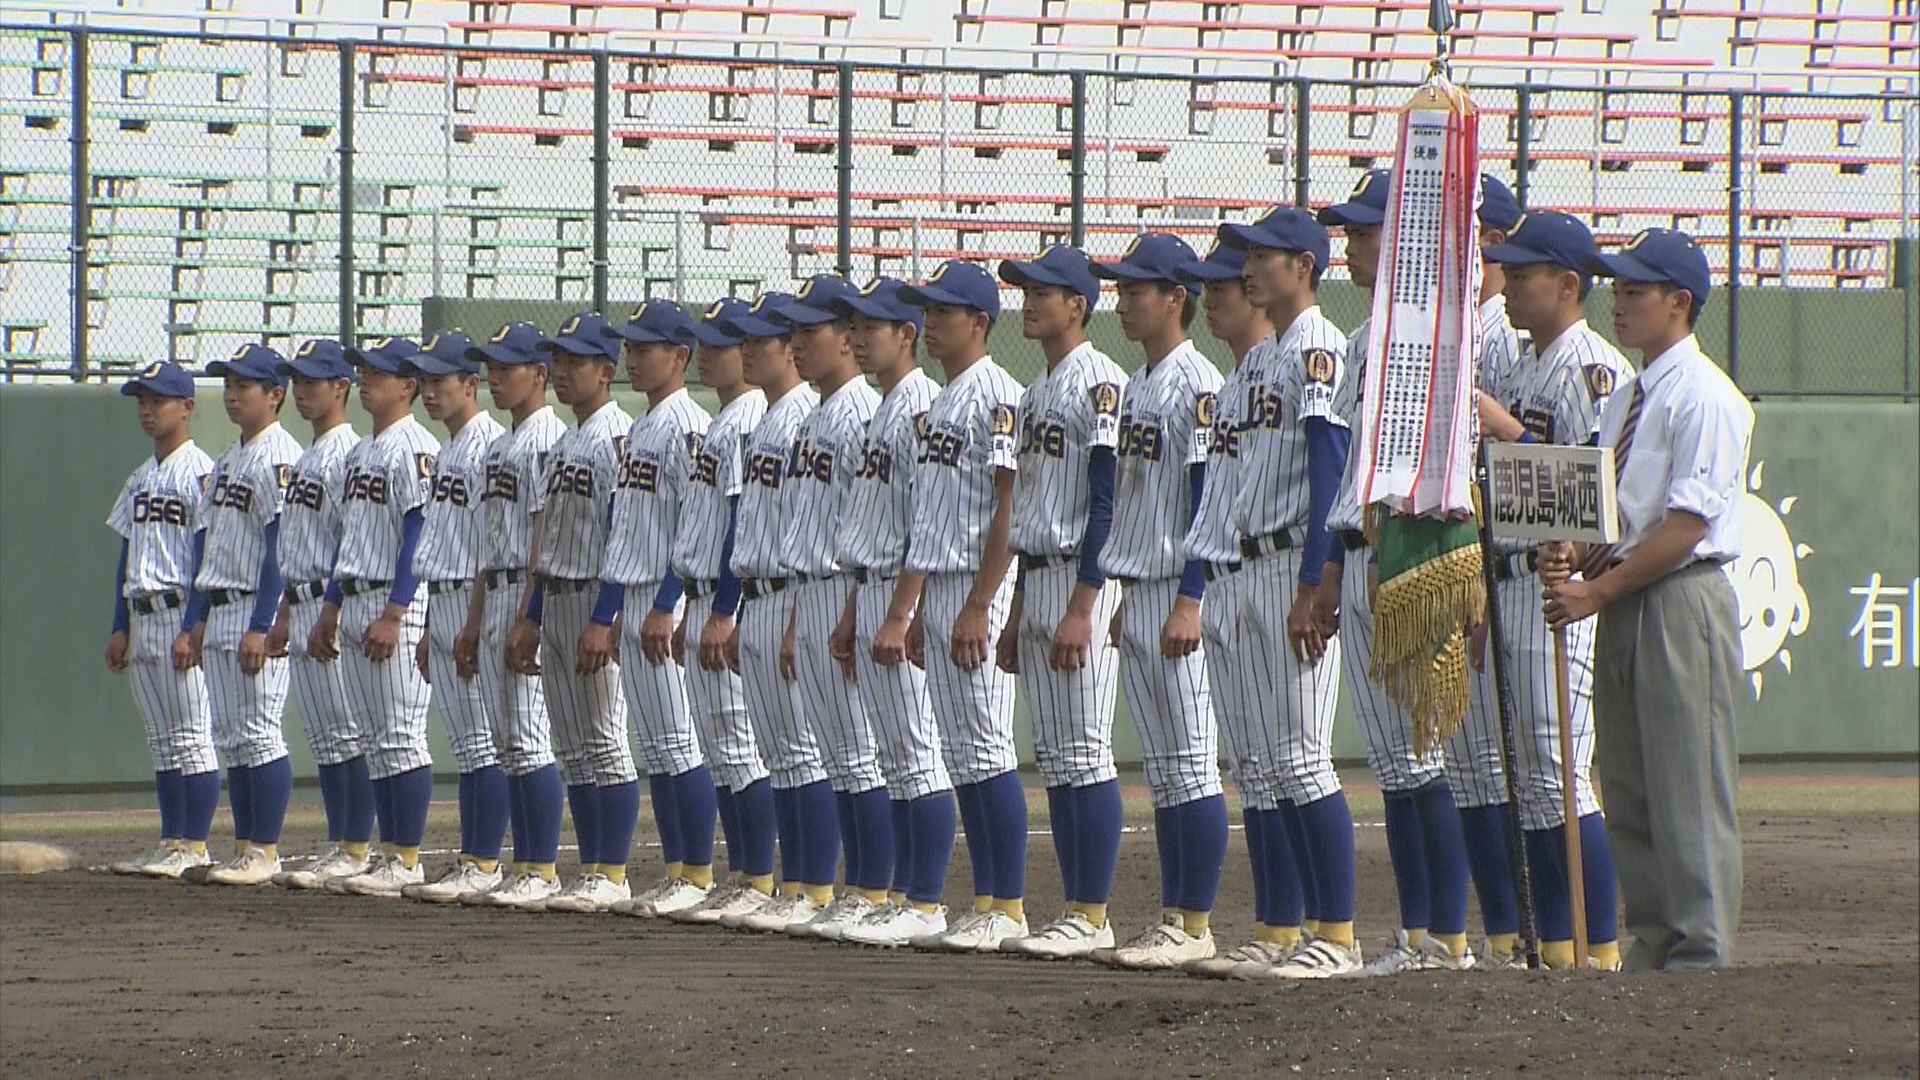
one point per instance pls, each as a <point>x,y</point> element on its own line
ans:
<point>105,975</point>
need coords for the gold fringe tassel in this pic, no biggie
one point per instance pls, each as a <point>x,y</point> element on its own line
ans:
<point>1420,619</point>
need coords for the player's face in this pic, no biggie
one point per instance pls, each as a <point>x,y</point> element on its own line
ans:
<point>764,360</point>
<point>1146,309</point>
<point>163,417</point>
<point>879,345</point>
<point>511,385</point>
<point>1644,316</point>
<point>1363,253</point>
<point>719,366</point>
<point>384,393</point>
<point>1534,294</point>
<point>1048,312</point>
<point>316,398</point>
<point>821,352</point>
<point>1273,276</point>
<point>249,404</point>
<point>950,329</point>
<point>576,378</point>
<point>443,395</point>
<point>652,365</point>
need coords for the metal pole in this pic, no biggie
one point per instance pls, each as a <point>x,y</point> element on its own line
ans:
<point>1302,101</point>
<point>843,171</point>
<point>1906,250</point>
<point>1736,119</point>
<point>1523,145</point>
<point>679,255</point>
<point>602,165</point>
<point>1077,163</point>
<point>78,56</point>
<point>348,317</point>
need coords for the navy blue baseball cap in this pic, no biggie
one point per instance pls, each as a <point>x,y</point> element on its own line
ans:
<point>709,328</point>
<point>1151,257</point>
<point>884,298</point>
<point>762,319</point>
<point>319,359</point>
<point>445,353</point>
<point>1223,263</point>
<point>163,377</point>
<point>957,284</point>
<point>655,322</point>
<point>253,362</point>
<point>1660,257</point>
<point>1060,267</point>
<point>1365,205</point>
<point>1284,228</point>
<point>1498,208</point>
<point>514,343</point>
<point>585,335</point>
<point>385,354</point>
<point>818,302</point>
<point>1548,238</point>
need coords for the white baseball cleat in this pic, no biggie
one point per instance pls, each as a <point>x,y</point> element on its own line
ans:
<point>461,878</point>
<point>988,933</point>
<point>385,878</point>
<point>332,852</point>
<point>679,895</point>
<point>1254,956</point>
<point>1322,959</point>
<point>895,925</point>
<point>255,867</point>
<point>780,914</point>
<point>933,940</point>
<point>1163,947</point>
<point>137,866</point>
<point>1070,937</point>
<point>1491,959</point>
<point>832,922</point>
<point>591,895</point>
<point>525,889</point>
<point>731,901</point>
<point>1401,957</point>
<point>642,900</point>
<point>177,862</point>
<point>1439,958</point>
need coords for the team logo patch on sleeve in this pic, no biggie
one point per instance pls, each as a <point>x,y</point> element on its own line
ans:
<point>1205,406</point>
<point>1599,380</point>
<point>1003,422</point>
<point>1320,365</point>
<point>423,464</point>
<point>1106,399</point>
<point>283,475</point>
<point>920,425</point>
<point>693,444</point>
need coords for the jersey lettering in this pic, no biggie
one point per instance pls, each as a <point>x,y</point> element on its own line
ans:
<point>450,489</point>
<point>766,470</point>
<point>232,495</point>
<point>810,462</point>
<point>1043,437</point>
<point>306,494</point>
<point>942,448</point>
<point>876,463</point>
<point>367,487</point>
<point>151,509</point>
<point>639,475</point>
<point>570,478</point>
<point>1142,440</point>
<point>706,470</point>
<point>502,483</point>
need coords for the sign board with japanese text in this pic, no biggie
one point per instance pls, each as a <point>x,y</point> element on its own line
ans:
<point>1543,492</point>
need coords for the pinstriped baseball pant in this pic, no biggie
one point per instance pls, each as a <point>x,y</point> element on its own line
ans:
<point>522,735</point>
<point>1293,701</point>
<point>1386,726</point>
<point>663,737</point>
<point>718,703</point>
<point>1473,754</point>
<point>1241,740</point>
<point>773,703</point>
<point>173,704</point>
<point>973,709</point>
<point>389,699</point>
<point>465,708</point>
<point>320,689</point>
<point>247,709</point>
<point>897,704</point>
<point>588,711</point>
<point>832,705</point>
<point>1536,734</point>
<point>1168,699</point>
<point>1071,711</point>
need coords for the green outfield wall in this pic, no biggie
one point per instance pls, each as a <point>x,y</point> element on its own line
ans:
<point>1830,588</point>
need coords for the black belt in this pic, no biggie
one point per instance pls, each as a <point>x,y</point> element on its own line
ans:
<point>1214,571</point>
<point>755,588</point>
<point>568,585</point>
<point>1253,547</point>
<point>512,575</point>
<point>155,603</point>
<point>1353,539</point>
<point>223,597</point>
<point>356,586</point>
<point>699,588</point>
<point>436,588</point>
<point>1030,563</point>
<point>300,592</point>
<point>866,575</point>
<point>1517,565</point>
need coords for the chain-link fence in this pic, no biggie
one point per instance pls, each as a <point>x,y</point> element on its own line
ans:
<point>178,195</point>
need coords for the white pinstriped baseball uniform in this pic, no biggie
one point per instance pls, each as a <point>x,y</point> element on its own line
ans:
<point>1246,736</point>
<point>717,699</point>
<point>1166,427</point>
<point>387,475</point>
<point>786,741</point>
<point>588,712</point>
<point>309,544</point>
<point>516,470</point>
<point>155,514</point>
<point>1386,727</point>
<point>816,495</point>
<point>648,505</point>
<point>244,496</point>
<point>446,561</point>
<point>1291,378</point>
<point>971,434</point>
<point>872,541</point>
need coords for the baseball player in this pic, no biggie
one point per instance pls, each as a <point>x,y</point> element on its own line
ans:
<point>703,558</point>
<point>1166,421</point>
<point>309,542</point>
<point>639,589</point>
<point>155,515</point>
<point>235,596</point>
<point>1667,650</point>
<point>872,545</point>
<point>958,556</point>
<point>1291,454</point>
<point>826,458</point>
<point>517,360</point>
<point>446,562</point>
<point>556,636</point>
<point>374,601</point>
<point>1555,394</point>
<point>1424,842</point>
<point>804,803</point>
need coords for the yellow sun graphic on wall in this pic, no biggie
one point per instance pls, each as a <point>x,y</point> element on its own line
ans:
<point>1766,578</point>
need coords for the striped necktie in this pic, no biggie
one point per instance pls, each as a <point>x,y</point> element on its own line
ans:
<point>1600,558</point>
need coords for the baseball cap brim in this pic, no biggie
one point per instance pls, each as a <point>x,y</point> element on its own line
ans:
<point>925,296</point>
<point>429,364</point>
<point>1341,215</point>
<point>753,326</point>
<point>640,335</point>
<point>1512,254</point>
<point>1200,271</point>
<point>874,308</point>
<point>1020,274</point>
<point>808,315</point>
<point>309,370</point>
<point>500,354</point>
<point>1126,271</point>
<point>132,388</point>
<point>579,346</point>
<point>223,369</point>
<point>712,336</point>
<point>1628,268</point>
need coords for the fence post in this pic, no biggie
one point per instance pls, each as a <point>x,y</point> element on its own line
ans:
<point>1736,120</point>
<point>348,317</point>
<point>78,56</point>
<point>843,170</point>
<point>602,178</point>
<point>1523,145</point>
<point>1302,139</point>
<point>1077,163</point>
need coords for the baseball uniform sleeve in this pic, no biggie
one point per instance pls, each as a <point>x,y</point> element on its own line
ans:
<point>122,618</point>
<point>1103,415</point>
<point>1578,402</point>
<point>120,518</point>
<point>410,477</point>
<point>1319,380</point>
<point>533,477</point>
<point>1003,434</point>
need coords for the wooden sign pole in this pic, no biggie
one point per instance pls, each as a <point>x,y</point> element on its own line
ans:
<point>1570,801</point>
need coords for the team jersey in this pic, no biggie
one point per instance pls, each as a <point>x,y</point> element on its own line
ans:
<point>387,475</point>
<point>310,520</point>
<point>828,456</point>
<point>1500,346</point>
<point>760,535</point>
<point>1064,415</point>
<point>517,488</point>
<point>972,432</point>
<point>878,511</point>
<point>1558,393</point>
<point>1290,379</point>
<point>249,485</point>
<point>1166,426</point>
<point>582,469</point>
<point>1345,513</point>
<point>450,541</point>
<point>155,513</point>
<point>650,498</point>
<point>718,470</point>
<point>1213,537</point>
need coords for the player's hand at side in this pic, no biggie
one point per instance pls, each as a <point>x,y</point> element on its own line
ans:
<point>890,641</point>
<point>713,642</point>
<point>732,649</point>
<point>253,652</point>
<point>656,637</point>
<point>278,635</point>
<point>786,660</point>
<point>968,649</point>
<point>1303,629</point>
<point>1555,560</point>
<point>382,636</point>
<point>917,641</point>
<point>840,646</point>
<point>596,649</point>
<point>1326,601</point>
<point>679,644</point>
<point>523,648</point>
<point>1072,640</point>
<point>466,652</point>
<point>323,642</point>
<point>1115,629</point>
<point>1181,635</point>
<point>117,652</point>
<point>1570,601</point>
<point>186,648</point>
<point>1477,645</point>
<point>420,660</point>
